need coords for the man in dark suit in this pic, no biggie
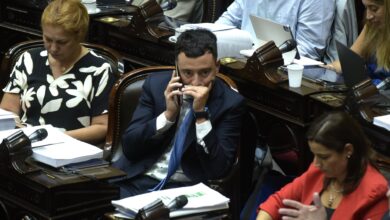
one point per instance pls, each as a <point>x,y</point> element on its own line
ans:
<point>215,113</point>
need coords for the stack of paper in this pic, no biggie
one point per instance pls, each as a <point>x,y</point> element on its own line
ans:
<point>230,39</point>
<point>201,199</point>
<point>7,120</point>
<point>58,149</point>
<point>382,121</point>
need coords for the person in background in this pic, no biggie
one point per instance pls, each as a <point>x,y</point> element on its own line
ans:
<point>310,21</point>
<point>211,110</point>
<point>341,183</point>
<point>373,43</point>
<point>63,84</point>
<point>344,28</point>
<point>185,10</point>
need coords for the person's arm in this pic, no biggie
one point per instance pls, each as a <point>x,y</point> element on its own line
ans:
<point>313,28</point>
<point>13,89</point>
<point>217,152</point>
<point>301,189</point>
<point>217,149</point>
<point>11,102</point>
<point>263,216</point>
<point>102,82</point>
<point>141,137</point>
<point>233,15</point>
<point>299,211</point>
<point>95,133</point>
<point>357,47</point>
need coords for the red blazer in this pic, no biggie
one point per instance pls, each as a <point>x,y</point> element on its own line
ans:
<point>368,200</point>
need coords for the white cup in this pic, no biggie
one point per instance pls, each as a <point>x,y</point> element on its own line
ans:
<point>91,6</point>
<point>295,75</point>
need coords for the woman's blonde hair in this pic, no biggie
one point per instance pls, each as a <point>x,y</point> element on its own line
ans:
<point>378,40</point>
<point>68,14</point>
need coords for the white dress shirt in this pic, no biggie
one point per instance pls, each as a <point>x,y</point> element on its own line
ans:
<point>310,20</point>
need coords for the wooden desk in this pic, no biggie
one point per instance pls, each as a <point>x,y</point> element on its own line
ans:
<point>49,194</point>
<point>283,113</point>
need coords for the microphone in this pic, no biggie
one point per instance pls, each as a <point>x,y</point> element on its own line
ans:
<point>384,85</point>
<point>287,46</point>
<point>178,203</point>
<point>168,5</point>
<point>38,135</point>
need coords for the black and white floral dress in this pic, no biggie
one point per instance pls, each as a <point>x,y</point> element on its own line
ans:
<point>67,102</point>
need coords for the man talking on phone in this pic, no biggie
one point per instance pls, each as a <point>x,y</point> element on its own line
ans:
<point>187,124</point>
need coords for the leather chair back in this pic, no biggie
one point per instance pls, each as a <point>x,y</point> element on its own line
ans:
<point>13,54</point>
<point>123,101</point>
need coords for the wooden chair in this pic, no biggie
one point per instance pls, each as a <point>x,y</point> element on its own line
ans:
<point>13,54</point>
<point>123,101</point>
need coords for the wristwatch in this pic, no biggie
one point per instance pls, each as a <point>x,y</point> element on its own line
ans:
<point>203,114</point>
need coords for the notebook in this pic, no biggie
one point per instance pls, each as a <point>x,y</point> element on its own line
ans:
<point>267,30</point>
<point>352,65</point>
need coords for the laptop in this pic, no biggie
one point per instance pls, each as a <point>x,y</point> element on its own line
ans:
<point>267,30</point>
<point>111,2</point>
<point>352,65</point>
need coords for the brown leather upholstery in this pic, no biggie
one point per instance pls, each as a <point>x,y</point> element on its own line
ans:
<point>123,101</point>
<point>12,55</point>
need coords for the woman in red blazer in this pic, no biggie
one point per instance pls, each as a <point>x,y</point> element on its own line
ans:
<point>341,183</point>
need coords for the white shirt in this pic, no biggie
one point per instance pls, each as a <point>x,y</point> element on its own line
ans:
<point>310,20</point>
<point>160,169</point>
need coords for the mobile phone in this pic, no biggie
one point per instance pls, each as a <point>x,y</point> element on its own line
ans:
<point>179,98</point>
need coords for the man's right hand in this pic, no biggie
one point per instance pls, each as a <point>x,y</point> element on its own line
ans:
<point>171,94</point>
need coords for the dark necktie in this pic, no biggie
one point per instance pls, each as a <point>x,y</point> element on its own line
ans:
<point>177,149</point>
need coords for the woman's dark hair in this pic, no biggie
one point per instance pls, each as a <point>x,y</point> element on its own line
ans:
<point>336,129</point>
<point>195,43</point>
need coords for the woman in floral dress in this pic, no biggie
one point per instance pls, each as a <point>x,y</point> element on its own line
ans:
<point>63,83</point>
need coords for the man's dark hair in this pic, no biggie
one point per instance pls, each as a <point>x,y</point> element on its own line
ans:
<point>195,43</point>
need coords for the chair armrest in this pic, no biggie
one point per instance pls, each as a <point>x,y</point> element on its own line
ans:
<point>107,151</point>
<point>226,183</point>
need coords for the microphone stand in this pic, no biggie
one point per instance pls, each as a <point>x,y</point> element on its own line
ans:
<point>14,150</point>
<point>262,65</point>
<point>153,211</point>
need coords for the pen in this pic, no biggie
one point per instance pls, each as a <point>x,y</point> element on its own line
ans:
<point>48,175</point>
<point>45,145</point>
